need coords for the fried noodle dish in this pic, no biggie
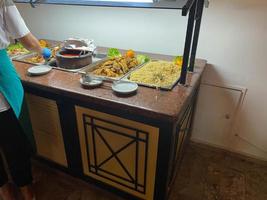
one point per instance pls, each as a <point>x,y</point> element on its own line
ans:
<point>157,73</point>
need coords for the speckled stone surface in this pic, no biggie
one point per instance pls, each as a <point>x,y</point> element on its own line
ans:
<point>149,102</point>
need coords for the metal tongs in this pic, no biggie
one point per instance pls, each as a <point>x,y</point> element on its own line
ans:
<point>87,78</point>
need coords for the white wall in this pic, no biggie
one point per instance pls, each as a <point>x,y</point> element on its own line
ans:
<point>233,39</point>
<point>141,29</point>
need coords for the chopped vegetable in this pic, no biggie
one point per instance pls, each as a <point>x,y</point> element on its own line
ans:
<point>178,60</point>
<point>16,49</point>
<point>130,54</point>
<point>113,52</point>
<point>15,46</point>
<point>142,59</point>
<point>39,59</point>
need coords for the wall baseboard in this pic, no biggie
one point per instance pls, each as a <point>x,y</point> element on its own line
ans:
<point>230,151</point>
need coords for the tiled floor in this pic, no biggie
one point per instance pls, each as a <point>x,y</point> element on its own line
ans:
<point>205,174</point>
<point>212,174</point>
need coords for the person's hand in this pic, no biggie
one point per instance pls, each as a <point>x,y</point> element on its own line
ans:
<point>46,53</point>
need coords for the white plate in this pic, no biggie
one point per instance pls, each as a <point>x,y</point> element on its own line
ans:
<point>124,87</point>
<point>39,69</point>
<point>92,83</point>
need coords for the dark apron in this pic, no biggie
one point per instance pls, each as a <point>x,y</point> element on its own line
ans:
<point>11,88</point>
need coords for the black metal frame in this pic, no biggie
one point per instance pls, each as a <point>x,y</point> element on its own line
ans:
<point>193,29</point>
<point>95,167</point>
<point>156,4</point>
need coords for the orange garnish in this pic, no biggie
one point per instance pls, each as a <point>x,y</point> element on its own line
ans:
<point>130,53</point>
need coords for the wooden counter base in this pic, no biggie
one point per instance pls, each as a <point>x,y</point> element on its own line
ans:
<point>129,145</point>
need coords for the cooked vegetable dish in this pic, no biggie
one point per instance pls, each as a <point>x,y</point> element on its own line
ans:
<point>39,59</point>
<point>157,73</point>
<point>16,49</point>
<point>116,67</point>
<point>35,59</point>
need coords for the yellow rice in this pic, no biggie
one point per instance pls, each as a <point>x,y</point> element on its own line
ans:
<point>157,73</point>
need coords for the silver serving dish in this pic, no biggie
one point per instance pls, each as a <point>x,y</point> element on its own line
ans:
<point>90,68</point>
<point>54,65</point>
<point>14,56</point>
<point>52,43</point>
<point>96,58</point>
<point>170,87</point>
<point>23,58</point>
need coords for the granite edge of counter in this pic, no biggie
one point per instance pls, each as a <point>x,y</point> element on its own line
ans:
<point>113,104</point>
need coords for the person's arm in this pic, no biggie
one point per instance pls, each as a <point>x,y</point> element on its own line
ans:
<point>31,43</point>
<point>17,29</point>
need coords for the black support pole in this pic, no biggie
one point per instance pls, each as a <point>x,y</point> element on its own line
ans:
<point>70,136</point>
<point>188,41</point>
<point>187,7</point>
<point>200,6</point>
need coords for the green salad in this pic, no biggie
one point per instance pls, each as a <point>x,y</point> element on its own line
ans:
<point>16,49</point>
<point>142,58</point>
<point>113,53</point>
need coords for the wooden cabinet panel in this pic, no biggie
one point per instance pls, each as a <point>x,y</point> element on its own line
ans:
<point>47,129</point>
<point>119,152</point>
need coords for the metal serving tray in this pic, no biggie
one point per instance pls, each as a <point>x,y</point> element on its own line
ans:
<point>23,57</point>
<point>52,63</point>
<point>52,43</point>
<point>96,58</point>
<point>17,55</point>
<point>170,87</point>
<point>90,68</point>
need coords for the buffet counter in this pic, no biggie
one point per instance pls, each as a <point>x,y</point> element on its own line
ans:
<point>130,145</point>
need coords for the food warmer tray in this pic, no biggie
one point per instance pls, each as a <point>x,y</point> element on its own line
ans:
<point>90,68</point>
<point>13,57</point>
<point>168,88</point>
<point>52,43</point>
<point>23,57</point>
